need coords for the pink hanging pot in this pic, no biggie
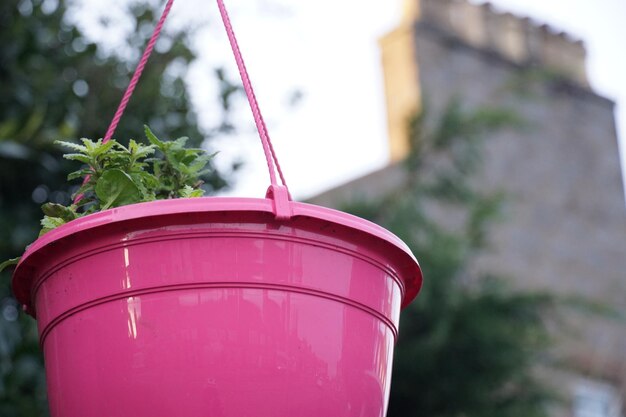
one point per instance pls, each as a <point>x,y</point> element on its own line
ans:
<point>222,307</point>
<point>198,307</point>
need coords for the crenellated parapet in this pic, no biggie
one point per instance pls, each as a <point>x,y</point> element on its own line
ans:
<point>515,38</point>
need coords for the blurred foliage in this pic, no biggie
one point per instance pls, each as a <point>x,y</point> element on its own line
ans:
<point>468,344</point>
<point>55,83</point>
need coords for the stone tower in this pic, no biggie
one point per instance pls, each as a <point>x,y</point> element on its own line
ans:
<point>565,224</point>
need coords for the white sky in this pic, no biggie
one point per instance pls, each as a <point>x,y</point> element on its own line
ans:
<point>328,49</point>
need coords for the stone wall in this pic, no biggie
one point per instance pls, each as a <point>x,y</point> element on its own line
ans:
<point>518,39</point>
<point>564,226</point>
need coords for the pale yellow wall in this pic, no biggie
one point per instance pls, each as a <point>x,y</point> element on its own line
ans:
<point>411,11</point>
<point>402,92</point>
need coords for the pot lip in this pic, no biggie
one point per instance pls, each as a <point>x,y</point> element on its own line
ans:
<point>412,275</point>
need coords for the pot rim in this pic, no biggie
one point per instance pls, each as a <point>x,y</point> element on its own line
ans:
<point>411,274</point>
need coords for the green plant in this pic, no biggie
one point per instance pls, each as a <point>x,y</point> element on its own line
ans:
<point>118,175</point>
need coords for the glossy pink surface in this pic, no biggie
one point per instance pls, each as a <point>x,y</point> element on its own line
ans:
<point>211,307</point>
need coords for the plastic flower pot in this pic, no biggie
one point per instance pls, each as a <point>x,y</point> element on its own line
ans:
<point>217,307</point>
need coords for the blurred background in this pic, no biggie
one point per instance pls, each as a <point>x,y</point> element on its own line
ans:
<point>482,134</point>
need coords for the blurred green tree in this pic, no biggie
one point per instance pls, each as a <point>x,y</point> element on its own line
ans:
<point>55,83</point>
<point>469,345</point>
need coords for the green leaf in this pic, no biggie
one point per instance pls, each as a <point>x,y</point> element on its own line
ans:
<point>48,223</point>
<point>77,157</point>
<point>74,146</point>
<point>102,148</point>
<point>51,222</point>
<point>145,178</point>
<point>138,150</point>
<point>180,142</point>
<point>9,262</point>
<point>152,137</point>
<point>189,192</point>
<point>204,172</point>
<point>60,211</point>
<point>78,174</point>
<point>90,145</point>
<point>199,163</point>
<point>116,188</point>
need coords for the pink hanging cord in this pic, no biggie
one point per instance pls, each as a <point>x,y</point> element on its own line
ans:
<point>268,149</point>
<point>133,83</point>
<point>270,154</point>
